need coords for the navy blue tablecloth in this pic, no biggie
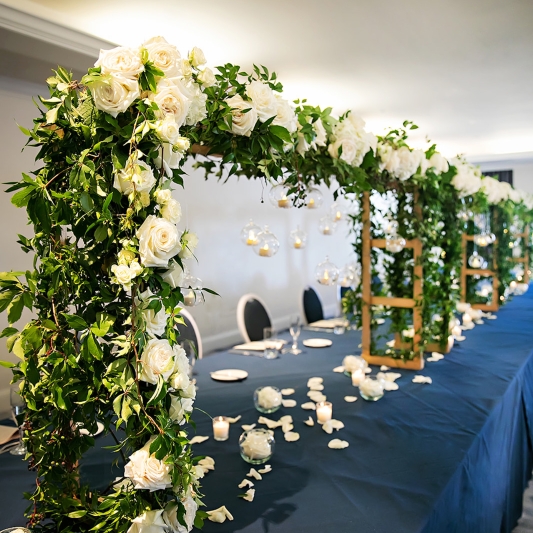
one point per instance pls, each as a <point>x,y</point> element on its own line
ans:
<point>453,456</point>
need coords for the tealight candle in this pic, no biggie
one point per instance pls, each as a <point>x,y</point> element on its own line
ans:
<point>456,331</point>
<point>283,202</point>
<point>297,243</point>
<point>467,319</point>
<point>265,251</point>
<point>325,278</point>
<point>358,376</point>
<point>324,412</point>
<point>251,240</point>
<point>190,298</point>
<point>220,428</point>
<point>326,230</point>
<point>338,216</point>
<point>311,203</point>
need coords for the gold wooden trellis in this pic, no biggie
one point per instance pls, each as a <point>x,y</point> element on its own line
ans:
<point>525,258</point>
<point>466,271</point>
<point>369,300</point>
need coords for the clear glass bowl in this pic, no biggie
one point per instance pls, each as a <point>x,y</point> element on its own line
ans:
<point>257,445</point>
<point>371,389</point>
<point>267,399</point>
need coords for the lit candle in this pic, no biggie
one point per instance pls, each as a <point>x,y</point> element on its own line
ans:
<point>467,320</point>
<point>220,428</point>
<point>512,284</point>
<point>327,230</point>
<point>190,298</point>
<point>252,239</point>
<point>325,278</point>
<point>324,412</point>
<point>456,331</point>
<point>358,376</point>
<point>297,243</point>
<point>283,203</point>
<point>265,251</point>
<point>311,203</point>
<point>338,215</point>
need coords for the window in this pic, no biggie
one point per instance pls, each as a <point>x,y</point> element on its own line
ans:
<point>502,175</point>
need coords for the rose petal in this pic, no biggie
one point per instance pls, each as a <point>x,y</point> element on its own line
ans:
<point>198,440</point>
<point>208,463</point>
<point>326,426</point>
<point>350,399</point>
<point>338,444</point>
<point>292,436</point>
<point>339,369</point>
<point>288,403</point>
<point>368,370</point>
<point>390,385</point>
<point>271,424</point>
<point>266,470</point>
<point>286,418</point>
<point>219,515</point>
<point>384,368</point>
<point>492,317</point>
<point>312,381</point>
<point>422,379</point>
<point>233,420</point>
<point>336,424</point>
<point>248,427</point>
<point>317,396</point>
<point>287,392</point>
<point>286,427</point>
<point>248,495</point>
<point>309,422</point>
<point>310,406</point>
<point>245,483</point>
<point>460,338</point>
<point>255,474</point>
<point>316,386</point>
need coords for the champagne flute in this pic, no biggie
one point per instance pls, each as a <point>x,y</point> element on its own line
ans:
<point>18,407</point>
<point>295,329</point>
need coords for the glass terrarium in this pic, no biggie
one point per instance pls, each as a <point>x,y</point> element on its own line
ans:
<point>267,244</point>
<point>257,445</point>
<point>249,233</point>
<point>326,273</point>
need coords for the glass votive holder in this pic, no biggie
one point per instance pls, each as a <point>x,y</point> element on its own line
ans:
<point>267,399</point>
<point>271,343</point>
<point>257,445</point>
<point>324,412</point>
<point>220,428</point>
<point>339,329</point>
<point>352,363</point>
<point>371,389</point>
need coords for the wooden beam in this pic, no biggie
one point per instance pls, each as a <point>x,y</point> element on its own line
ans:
<point>382,243</point>
<point>405,303</point>
<point>479,272</point>
<point>366,276</point>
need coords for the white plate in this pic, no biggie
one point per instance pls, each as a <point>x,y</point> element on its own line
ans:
<point>317,343</point>
<point>229,374</point>
<point>84,431</point>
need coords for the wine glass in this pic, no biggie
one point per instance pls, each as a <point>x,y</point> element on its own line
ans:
<point>295,329</point>
<point>18,407</point>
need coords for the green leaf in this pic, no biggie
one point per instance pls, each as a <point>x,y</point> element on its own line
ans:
<point>15,309</point>
<point>76,322</point>
<point>77,514</point>
<point>100,234</point>
<point>86,201</point>
<point>281,132</point>
<point>7,332</point>
<point>7,364</point>
<point>21,198</point>
<point>94,347</point>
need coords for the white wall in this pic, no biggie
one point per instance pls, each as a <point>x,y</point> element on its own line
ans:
<point>522,171</point>
<point>216,212</point>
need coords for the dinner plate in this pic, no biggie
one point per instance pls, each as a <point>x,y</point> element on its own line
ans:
<point>317,343</point>
<point>84,431</point>
<point>229,374</point>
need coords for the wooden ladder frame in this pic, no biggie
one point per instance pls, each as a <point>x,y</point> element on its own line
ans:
<point>466,271</point>
<point>525,258</point>
<point>406,303</point>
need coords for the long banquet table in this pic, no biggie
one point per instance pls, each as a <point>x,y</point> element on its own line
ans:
<point>452,456</point>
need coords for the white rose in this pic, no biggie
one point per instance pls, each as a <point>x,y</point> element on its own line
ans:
<point>356,121</point>
<point>438,162</point>
<point>162,196</point>
<point>174,276</point>
<point>186,68</point>
<point>125,257</point>
<point>268,397</point>
<point>164,56</point>
<point>189,241</point>
<point>505,189</point>
<point>515,196</point>
<point>408,162</point>
<point>256,446</point>
<point>172,101</point>
<point>114,94</point>
<point>148,522</point>
<point>350,150</point>
<point>351,363</point>
<point>285,115</point>
<point>157,359</point>
<point>135,268</point>
<point>189,391</point>
<point>467,180</point>
<point>244,115</point>
<point>180,379</point>
<point>321,135</point>
<point>183,144</point>
<point>171,211</point>
<point>123,275</point>
<point>147,472</point>
<point>137,174</point>
<point>168,130</point>
<point>171,158</point>
<point>170,515</point>
<point>491,187</point>
<point>125,62</point>
<point>197,57</point>
<point>158,242</point>
<point>263,99</point>
<point>197,110</point>
<point>155,323</point>
<point>206,77</point>
<point>178,408</point>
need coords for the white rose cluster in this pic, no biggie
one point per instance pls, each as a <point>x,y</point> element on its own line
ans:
<point>495,190</point>
<point>136,177</point>
<point>155,323</point>
<point>350,137</point>
<point>159,359</point>
<point>320,139</point>
<point>467,180</point>
<point>402,163</point>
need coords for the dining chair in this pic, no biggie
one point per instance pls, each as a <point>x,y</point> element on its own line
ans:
<point>252,317</point>
<point>190,334</point>
<point>312,308</point>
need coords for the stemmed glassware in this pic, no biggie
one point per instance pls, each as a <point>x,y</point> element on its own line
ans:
<point>18,407</point>
<point>295,329</point>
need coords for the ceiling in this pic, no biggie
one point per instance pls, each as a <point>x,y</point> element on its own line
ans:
<point>461,69</point>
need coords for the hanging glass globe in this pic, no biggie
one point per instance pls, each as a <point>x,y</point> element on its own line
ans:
<point>298,238</point>
<point>337,212</point>
<point>313,198</point>
<point>346,277</point>
<point>267,244</point>
<point>326,226</point>
<point>482,240</point>
<point>326,272</point>
<point>476,261</point>
<point>394,243</point>
<point>249,233</point>
<point>465,215</point>
<point>192,290</point>
<point>492,238</point>
<point>279,196</point>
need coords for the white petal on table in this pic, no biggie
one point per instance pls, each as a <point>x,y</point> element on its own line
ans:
<point>491,316</point>
<point>245,483</point>
<point>368,370</point>
<point>384,368</point>
<point>332,424</point>
<point>271,424</point>
<point>219,515</point>
<point>390,385</point>
<point>391,344</point>
<point>310,406</point>
<point>422,379</point>
<point>248,495</point>
<point>198,439</point>
<point>338,444</point>
<point>248,427</point>
<point>316,386</point>
<point>460,338</point>
<point>207,462</point>
<point>233,420</point>
<point>350,399</point>
<point>266,469</point>
<point>288,403</point>
<point>435,356</point>
<point>286,427</point>
<point>391,376</point>
<point>255,474</point>
<point>479,322</point>
<point>287,392</point>
<point>311,381</point>
<point>338,369</point>
<point>292,436</point>
<point>316,396</point>
<point>286,418</point>
<point>309,422</point>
